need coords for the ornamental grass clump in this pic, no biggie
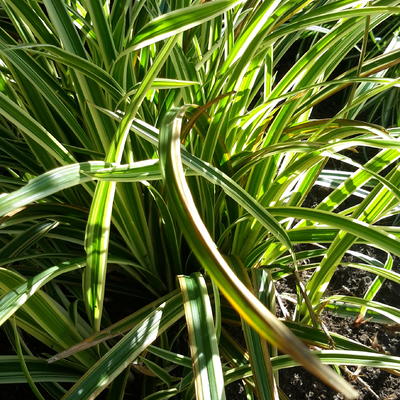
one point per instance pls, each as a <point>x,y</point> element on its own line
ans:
<point>161,173</point>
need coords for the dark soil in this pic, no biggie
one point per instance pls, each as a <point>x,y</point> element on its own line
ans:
<point>299,384</point>
<point>371,383</point>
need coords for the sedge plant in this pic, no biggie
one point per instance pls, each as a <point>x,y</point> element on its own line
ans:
<point>157,164</point>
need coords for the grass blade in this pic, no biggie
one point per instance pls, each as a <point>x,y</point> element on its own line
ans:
<point>248,306</point>
<point>24,368</point>
<point>47,314</point>
<point>390,312</point>
<point>374,287</point>
<point>76,174</point>
<point>355,227</point>
<point>15,298</point>
<point>112,331</point>
<point>178,21</point>
<point>39,369</point>
<point>34,130</point>
<point>207,368</point>
<point>102,373</point>
<point>99,221</point>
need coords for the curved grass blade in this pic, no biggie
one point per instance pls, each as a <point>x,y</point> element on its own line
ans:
<point>158,371</point>
<point>99,221</point>
<point>207,368</point>
<point>381,272</point>
<point>103,372</point>
<point>42,81</point>
<point>16,297</point>
<point>330,357</point>
<point>248,306</point>
<point>74,174</point>
<point>26,239</point>
<point>177,21</point>
<point>30,127</point>
<point>357,179</point>
<point>114,330</point>
<point>387,311</point>
<point>346,310</point>
<point>79,64</point>
<point>316,337</point>
<point>374,288</point>
<point>215,176</point>
<point>341,357</point>
<point>353,226</point>
<point>24,368</point>
<point>39,369</point>
<point>46,313</point>
<point>163,394</point>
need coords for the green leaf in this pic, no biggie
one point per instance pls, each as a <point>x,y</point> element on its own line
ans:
<point>102,30</point>
<point>201,243</point>
<point>330,357</point>
<point>103,372</point>
<point>24,367</point>
<point>163,394</point>
<point>82,65</point>
<point>177,21</point>
<point>26,239</point>
<point>207,368</point>
<point>381,272</point>
<point>341,357</point>
<point>30,127</point>
<point>99,221</point>
<point>158,371</point>
<point>15,298</point>
<point>257,347</point>
<point>355,227</point>
<point>74,174</point>
<point>39,369</point>
<point>114,330</point>
<point>375,286</point>
<point>45,311</point>
<point>42,81</point>
<point>390,312</point>
<point>214,175</point>
<point>164,83</point>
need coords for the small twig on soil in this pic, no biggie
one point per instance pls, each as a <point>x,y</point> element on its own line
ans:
<point>355,376</point>
<point>285,312</point>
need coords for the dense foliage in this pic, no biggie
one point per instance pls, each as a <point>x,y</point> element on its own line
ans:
<point>161,171</point>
